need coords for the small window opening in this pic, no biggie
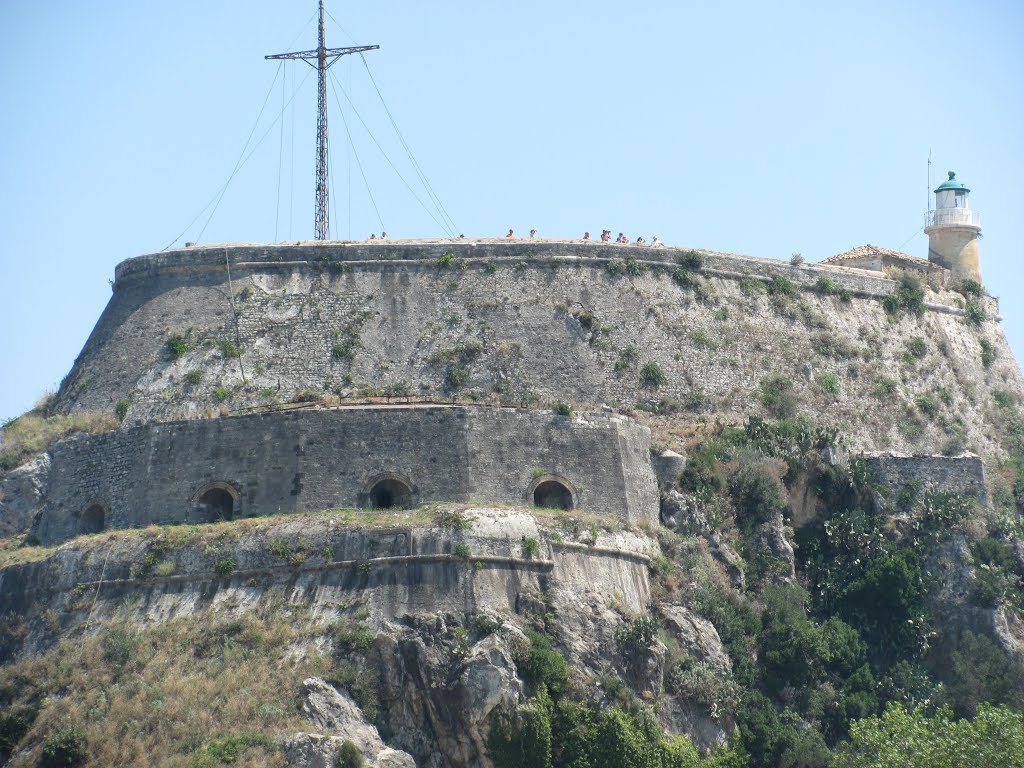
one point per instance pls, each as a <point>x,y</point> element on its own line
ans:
<point>93,520</point>
<point>390,493</point>
<point>552,494</point>
<point>216,504</point>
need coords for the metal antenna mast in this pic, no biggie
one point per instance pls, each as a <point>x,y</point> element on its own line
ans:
<point>324,58</point>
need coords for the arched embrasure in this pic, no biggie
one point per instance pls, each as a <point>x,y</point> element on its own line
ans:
<point>215,502</point>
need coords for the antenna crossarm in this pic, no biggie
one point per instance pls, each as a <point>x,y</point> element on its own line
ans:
<point>328,52</point>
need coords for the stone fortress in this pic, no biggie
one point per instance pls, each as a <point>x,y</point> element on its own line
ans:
<point>255,380</point>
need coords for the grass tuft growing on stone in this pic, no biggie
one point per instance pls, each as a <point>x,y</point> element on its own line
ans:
<point>33,433</point>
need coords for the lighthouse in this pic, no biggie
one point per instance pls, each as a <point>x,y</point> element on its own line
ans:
<point>953,230</point>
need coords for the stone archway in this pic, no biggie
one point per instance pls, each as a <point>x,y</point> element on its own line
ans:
<point>389,491</point>
<point>93,519</point>
<point>214,502</point>
<point>553,492</point>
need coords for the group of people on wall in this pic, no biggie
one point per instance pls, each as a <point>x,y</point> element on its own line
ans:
<point>606,237</point>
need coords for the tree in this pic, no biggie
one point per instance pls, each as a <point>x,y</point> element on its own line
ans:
<point>993,739</point>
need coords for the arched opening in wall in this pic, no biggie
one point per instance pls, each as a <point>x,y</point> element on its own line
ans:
<point>93,519</point>
<point>390,493</point>
<point>552,494</point>
<point>213,504</point>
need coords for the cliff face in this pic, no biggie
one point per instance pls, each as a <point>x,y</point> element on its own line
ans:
<point>546,322</point>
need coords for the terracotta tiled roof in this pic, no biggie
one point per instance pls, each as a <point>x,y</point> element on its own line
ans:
<point>874,251</point>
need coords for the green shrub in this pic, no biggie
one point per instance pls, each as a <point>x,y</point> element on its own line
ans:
<point>225,750</point>
<point>974,313</point>
<point>563,409</point>
<point>781,286</point>
<point>751,286</point>
<point>660,565</point>
<point>121,408</point>
<point>826,285</point>
<point>194,376</point>
<point>884,388</point>
<point>349,756</point>
<point>178,344</point>
<point>738,626</point>
<point>970,287</point>
<point>796,259</point>
<point>652,377</point>
<point>522,736</point>
<point>908,297</point>
<point>531,548</point>
<point>828,344</point>
<point>449,260</point>
<point>691,260</point>
<point>777,396</point>
<point>455,376</point>
<point>453,519</point>
<point>628,358</point>
<point>221,393</point>
<point>63,748</point>
<point>702,339</point>
<point>988,353</point>
<point>229,348</point>
<point>632,267</point>
<point>1004,398</point>
<point>226,566</point>
<point>684,275</point>
<point>756,490</point>
<point>702,474</point>
<point>15,722</point>
<point>926,404</point>
<point>614,268</point>
<point>462,551</point>
<point>981,671</point>
<point>637,635</point>
<point>917,347</point>
<point>828,383</point>
<point>543,665</point>
<point>362,684</point>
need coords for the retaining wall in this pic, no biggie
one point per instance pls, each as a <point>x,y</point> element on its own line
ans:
<point>317,459</point>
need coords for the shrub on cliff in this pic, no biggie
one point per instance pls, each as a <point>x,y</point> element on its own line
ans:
<point>757,490</point>
<point>652,376</point>
<point>908,297</point>
<point>63,748</point>
<point>777,396</point>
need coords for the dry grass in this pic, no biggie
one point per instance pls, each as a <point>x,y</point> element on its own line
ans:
<point>33,433</point>
<point>174,694</point>
<point>16,550</point>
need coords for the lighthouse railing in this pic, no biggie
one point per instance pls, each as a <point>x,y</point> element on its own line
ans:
<point>951,217</point>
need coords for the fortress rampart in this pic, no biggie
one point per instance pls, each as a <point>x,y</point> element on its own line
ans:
<point>308,460</point>
<point>527,322</point>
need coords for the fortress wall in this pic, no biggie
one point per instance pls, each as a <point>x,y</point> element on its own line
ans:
<point>964,474</point>
<point>323,459</point>
<point>513,451</point>
<point>534,323</point>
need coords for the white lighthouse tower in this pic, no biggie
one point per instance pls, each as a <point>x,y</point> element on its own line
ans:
<point>953,230</point>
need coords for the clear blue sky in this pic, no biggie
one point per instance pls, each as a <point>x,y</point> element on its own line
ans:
<point>749,127</point>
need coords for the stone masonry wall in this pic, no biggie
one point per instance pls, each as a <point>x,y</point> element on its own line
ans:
<point>526,322</point>
<point>310,460</point>
<point>964,474</point>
